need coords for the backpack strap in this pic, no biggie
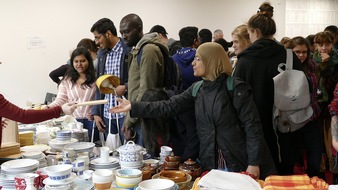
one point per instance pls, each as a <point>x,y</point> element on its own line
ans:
<point>289,61</point>
<point>139,54</point>
<point>230,86</point>
<point>196,87</point>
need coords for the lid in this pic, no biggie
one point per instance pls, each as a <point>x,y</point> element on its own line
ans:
<point>190,164</point>
<point>130,146</point>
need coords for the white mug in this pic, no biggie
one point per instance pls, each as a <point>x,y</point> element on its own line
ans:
<point>104,154</point>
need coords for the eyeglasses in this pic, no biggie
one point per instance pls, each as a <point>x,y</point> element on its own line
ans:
<point>97,37</point>
<point>300,52</point>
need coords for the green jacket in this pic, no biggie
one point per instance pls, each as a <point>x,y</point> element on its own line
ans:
<point>148,73</point>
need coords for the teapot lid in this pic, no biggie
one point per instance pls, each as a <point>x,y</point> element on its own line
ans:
<point>130,146</point>
<point>190,165</point>
<point>190,162</point>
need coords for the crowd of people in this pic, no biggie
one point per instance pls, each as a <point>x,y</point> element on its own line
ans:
<point>220,113</point>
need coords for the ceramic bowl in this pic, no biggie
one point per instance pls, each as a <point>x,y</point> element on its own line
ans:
<point>102,176</point>
<point>128,182</point>
<point>57,145</point>
<point>174,175</point>
<point>152,162</point>
<point>81,147</point>
<point>156,184</point>
<point>59,172</point>
<point>128,173</point>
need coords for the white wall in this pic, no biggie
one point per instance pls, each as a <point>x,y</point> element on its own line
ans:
<point>63,23</point>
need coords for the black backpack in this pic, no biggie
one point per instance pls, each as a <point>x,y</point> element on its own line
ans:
<point>172,81</point>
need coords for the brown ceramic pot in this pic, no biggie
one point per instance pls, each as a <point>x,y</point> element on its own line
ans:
<point>192,168</point>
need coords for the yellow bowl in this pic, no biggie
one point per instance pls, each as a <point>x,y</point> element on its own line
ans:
<point>113,80</point>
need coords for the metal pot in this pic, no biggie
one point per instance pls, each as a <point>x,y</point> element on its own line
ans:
<point>130,154</point>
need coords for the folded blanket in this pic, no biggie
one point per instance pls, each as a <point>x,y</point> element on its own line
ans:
<point>293,182</point>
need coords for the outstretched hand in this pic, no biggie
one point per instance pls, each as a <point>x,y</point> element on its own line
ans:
<point>124,106</point>
<point>68,108</point>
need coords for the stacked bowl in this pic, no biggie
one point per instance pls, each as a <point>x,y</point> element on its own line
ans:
<point>63,137</point>
<point>59,176</point>
<point>128,178</point>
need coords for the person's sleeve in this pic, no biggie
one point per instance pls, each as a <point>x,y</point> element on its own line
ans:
<point>15,113</point>
<point>250,121</point>
<point>62,96</point>
<point>166,108</point>
<point>333,107</point>
<point>59,72</point>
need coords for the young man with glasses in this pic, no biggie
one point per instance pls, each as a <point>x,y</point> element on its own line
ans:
<point>112,59</point>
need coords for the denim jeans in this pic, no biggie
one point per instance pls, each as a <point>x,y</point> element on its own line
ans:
<point>88,124</point>
<point>114,128</point>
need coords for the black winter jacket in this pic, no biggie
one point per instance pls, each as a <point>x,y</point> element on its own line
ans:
<point>231,123</point>
<point>257,65</point>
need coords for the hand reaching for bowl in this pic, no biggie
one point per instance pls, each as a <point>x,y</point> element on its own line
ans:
<point>124,106</point>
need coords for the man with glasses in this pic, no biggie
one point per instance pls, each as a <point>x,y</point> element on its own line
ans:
<point>112,60</point>
<point>148,72</point>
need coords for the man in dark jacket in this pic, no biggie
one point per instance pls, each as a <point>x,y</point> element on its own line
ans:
<point>112,60</point>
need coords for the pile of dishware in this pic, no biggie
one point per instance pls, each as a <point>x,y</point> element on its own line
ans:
<point>63,137</point>
<point>81,147</point>
<point>36,155</point>
<point>165,151</point>
<point>102,179</point>
<point>104,161</point>
<point>131,155</point>
<point>12,168</point>
<point>59,177</point>
<point>42,137</point>
<point>128,178</point>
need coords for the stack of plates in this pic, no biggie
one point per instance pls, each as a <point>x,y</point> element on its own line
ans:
<point>58,145</point>
<point>81,136</point>
<point>11,168</point>
<point>113,164</point>
<point>36,155</point>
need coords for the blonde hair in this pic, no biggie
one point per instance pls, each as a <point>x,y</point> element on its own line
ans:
<point>241,32</point>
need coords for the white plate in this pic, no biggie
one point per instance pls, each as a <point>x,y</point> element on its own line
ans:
<point>69,180</point>
<point>78,146</point>
<point>57,142</point>
<point>97,161</point>
<point>37,147</point>
<point>20,164</point>
<point>174,188</point>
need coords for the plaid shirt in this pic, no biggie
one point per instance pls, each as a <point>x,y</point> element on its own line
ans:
<point>112,67</point>
<point>314,102</point>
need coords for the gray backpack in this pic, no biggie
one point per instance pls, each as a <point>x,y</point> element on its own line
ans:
<point>292,109</point>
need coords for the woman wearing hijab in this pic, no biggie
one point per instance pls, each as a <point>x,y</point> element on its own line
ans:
<point>228,125</point>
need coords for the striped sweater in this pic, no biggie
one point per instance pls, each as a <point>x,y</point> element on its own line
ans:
<point>69,92</point>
